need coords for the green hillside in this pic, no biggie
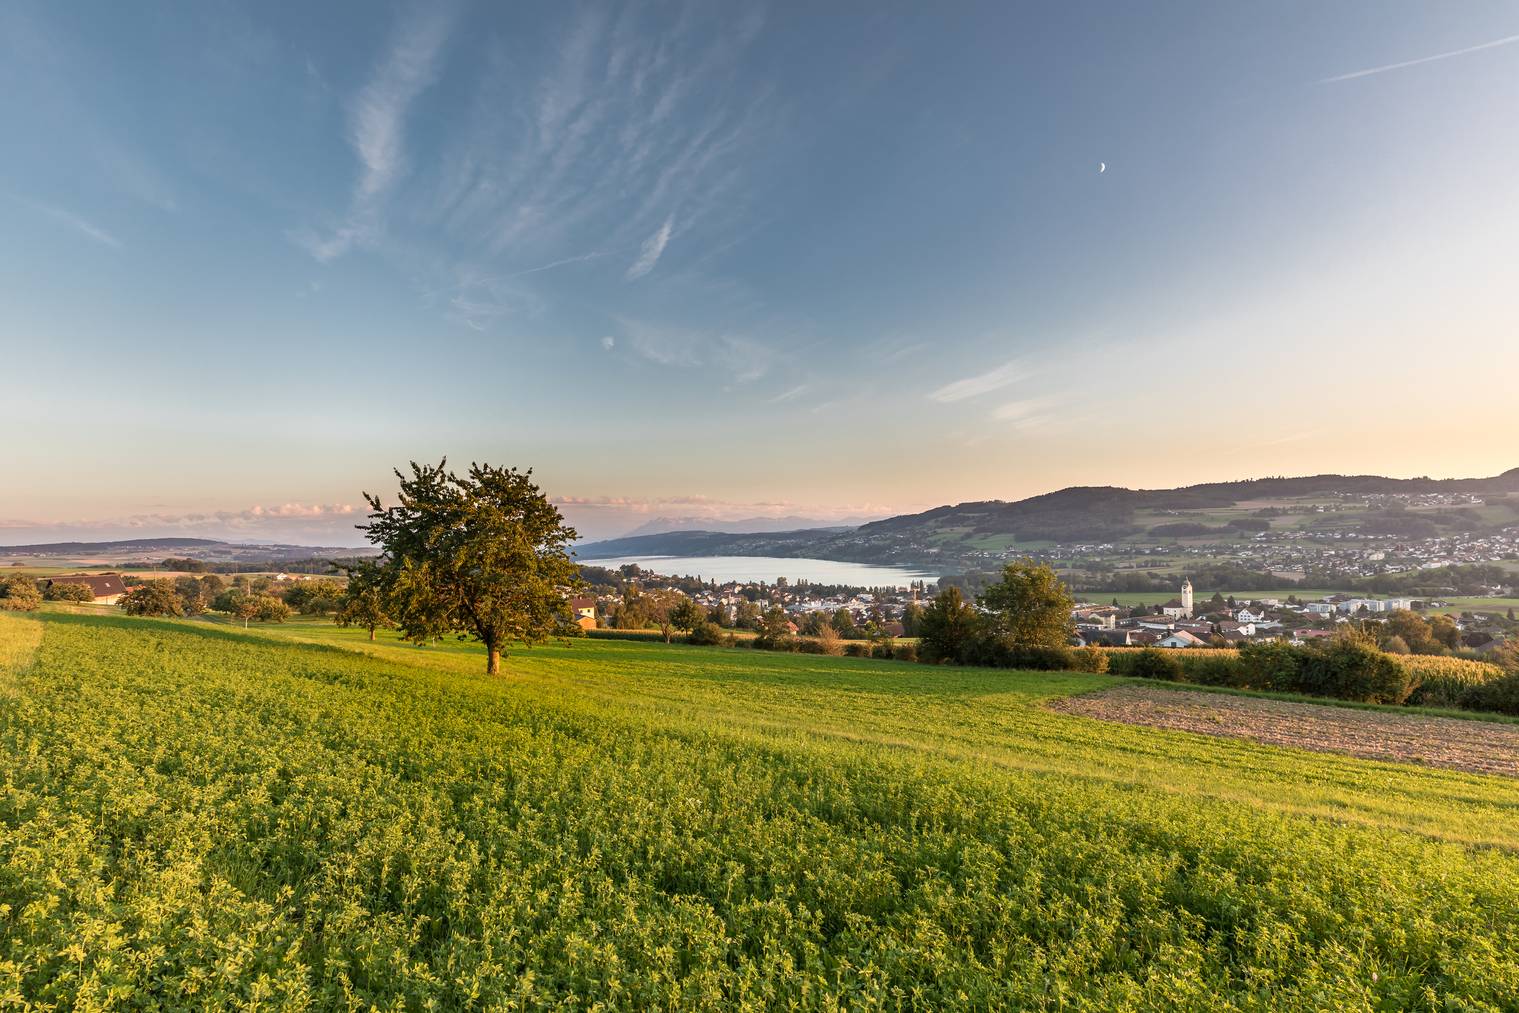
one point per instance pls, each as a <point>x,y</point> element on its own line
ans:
<point>1311,509</point>
<point>197,817</point>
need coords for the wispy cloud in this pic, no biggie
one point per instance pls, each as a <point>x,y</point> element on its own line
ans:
<point>377,123</point>
<point>1024,413</point>
<point>742,359</point>
<point>982,383</point>
<point>649,253</point>
<point>792,394</point>
<point>73,221</point>
<point>377,126</point>
<point>1384,68</point>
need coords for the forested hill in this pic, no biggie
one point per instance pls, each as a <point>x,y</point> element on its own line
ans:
<point>953,535</point>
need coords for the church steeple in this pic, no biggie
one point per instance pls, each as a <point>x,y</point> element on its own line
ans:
<point>1186,598</point>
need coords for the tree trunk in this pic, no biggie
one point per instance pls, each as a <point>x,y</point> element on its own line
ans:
<point>492,660</point>
<point>371,633</point>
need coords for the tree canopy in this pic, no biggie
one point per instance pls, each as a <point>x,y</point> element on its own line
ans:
<point>1029,606</point>
<point>153,598</point>
<point>484,556</point>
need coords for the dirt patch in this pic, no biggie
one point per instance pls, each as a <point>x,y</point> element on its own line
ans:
<point>1478,746</point>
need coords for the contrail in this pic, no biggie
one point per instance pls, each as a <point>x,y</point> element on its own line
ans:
<point>1506,40</point>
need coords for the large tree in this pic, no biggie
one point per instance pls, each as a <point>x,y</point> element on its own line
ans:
<point>484,555</point>
<point>1029,606</point>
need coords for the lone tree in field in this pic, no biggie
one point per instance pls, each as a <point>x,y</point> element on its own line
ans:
<point>483,556</point>
<point>1029,606</point>
<point>366,601</point>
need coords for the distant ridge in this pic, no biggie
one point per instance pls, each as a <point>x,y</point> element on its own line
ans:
<point>120,545</point>
<point>1077,514</point>
<point>207,549</point>
<point>746,526</point>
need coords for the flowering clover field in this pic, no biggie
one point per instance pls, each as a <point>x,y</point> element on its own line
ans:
<point>197,817</point>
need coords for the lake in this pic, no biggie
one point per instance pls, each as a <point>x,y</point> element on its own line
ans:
<point>768,568</point>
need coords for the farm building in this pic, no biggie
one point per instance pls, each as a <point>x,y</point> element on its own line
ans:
<point>584,611</point>
<point>106,587</point>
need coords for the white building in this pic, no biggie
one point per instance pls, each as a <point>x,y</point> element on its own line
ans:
<point>1186,598</point>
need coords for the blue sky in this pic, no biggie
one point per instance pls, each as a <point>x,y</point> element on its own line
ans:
<point>739,260</point>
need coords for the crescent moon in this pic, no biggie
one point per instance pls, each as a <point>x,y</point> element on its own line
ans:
<point>1102,167</point>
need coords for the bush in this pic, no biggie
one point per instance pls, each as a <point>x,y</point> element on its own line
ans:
<point>905,652</point>
<point>1500,695</point>
<point>1214,670</point>
<point>20,594</point>
<point>857,649</point>
<point>706,634</point>
<point>882,650</point>
<point>1351,670</point>
<point>1090,659</point>
<point>1044,659</point>
<point>68,592</point>
<point>1272,665</point>
<point>828,641</point>
<point>1155,663</point>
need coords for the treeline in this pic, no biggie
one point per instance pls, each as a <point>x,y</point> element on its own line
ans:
<point>322,565</point>
<point>1464,579</point>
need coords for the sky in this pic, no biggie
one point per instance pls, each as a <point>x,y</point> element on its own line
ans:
<point>719,261</point>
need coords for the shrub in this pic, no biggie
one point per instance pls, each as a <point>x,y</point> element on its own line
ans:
<point>1043,659</point>
<point>1214,670</point>
<point>905,652</point>
<point>706,634</point>
<point>882,650</point>
<point>857,649</point>
<point>1500,695</point>
<point>1351,670</point>
<point>68,592</point>
<point>1272,665</point>
<point>1090,659</point>
<point>1155,663</point>
<point>828,641</point>
<point>20,594</point>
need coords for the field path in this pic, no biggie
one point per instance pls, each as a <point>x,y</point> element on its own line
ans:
<point>1481,747</point>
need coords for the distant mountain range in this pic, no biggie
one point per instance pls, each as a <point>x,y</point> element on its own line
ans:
<point>749,525</point>
<point>207,549</point>
<point>950,537</point>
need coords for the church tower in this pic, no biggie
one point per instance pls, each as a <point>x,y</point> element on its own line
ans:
<point>1186,598</point>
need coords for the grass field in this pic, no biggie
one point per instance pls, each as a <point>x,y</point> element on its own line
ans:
<point>197,817</point>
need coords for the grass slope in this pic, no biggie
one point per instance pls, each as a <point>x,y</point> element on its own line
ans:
<point>197,817</point>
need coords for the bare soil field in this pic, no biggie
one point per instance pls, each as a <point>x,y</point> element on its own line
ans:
<point>1477,746</point>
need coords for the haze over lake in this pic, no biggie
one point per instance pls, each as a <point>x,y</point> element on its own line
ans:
<point>768,568</point>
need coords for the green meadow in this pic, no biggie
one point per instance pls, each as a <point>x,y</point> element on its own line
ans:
<point>197,817</point>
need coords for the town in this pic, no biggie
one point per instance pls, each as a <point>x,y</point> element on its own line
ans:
<point>627,598</point>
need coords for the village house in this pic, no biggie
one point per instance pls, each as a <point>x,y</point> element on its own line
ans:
<point>107,588</point>
<point>584,611</point>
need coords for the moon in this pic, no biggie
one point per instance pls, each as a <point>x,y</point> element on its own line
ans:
<point>1102,167</point>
